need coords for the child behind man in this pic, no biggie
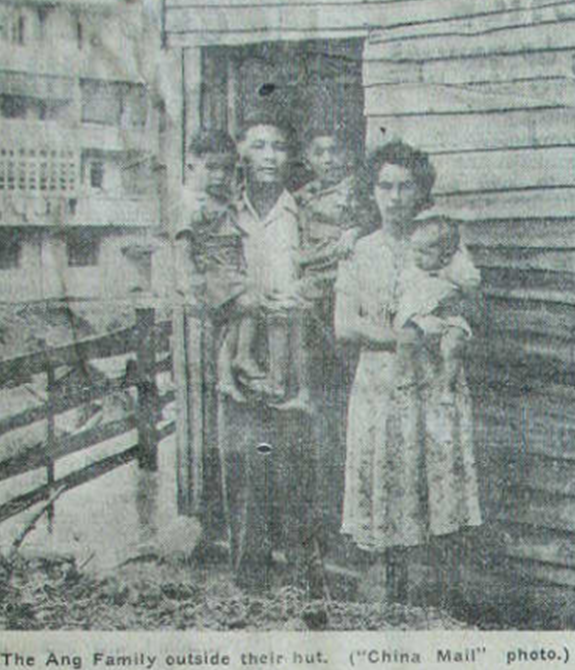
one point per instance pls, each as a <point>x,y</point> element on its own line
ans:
<point>330,213</point>
<point>437,274</point>
<point>332,222</point>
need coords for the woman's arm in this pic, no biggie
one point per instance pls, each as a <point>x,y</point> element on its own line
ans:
<point>351,324</point>
<point>364,332</point>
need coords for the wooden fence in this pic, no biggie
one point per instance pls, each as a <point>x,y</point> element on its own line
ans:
<point>145,341</point>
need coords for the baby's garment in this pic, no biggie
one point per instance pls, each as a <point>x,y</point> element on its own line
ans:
<point>431,299</point>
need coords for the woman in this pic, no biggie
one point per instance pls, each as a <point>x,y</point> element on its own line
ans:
<point>410,472</point>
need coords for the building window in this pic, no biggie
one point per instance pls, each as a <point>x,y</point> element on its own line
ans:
<point>79,34</point>
<point>97,174</point>
<point>114,103</point>
<point>20,30</point>
<point>13,25</point>
<point>134,106</point>
<point>13,106</point>
<point>82,249</point>
<point>38,170</point>
<point>35,109</point>
<point>100,103</point>
<point>10,250</point>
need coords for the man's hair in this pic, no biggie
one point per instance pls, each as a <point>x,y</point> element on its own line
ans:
<point>211,142</point>
<point>405,156</point>
<point>275,120</point>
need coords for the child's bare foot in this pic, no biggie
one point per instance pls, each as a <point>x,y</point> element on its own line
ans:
<point>447,397</point>
<point>229,389</point>
<point>276,392</point>
<point>301,402</point>
<point>406,384</point>
<point>256,386</point>
<point>247,368</point>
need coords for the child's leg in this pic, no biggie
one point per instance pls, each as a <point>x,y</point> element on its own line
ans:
<point>451,347</point>
<point>244,361</point>
<point>301,357</point>
<point>301,364</point>
<point>226,382</point>
<point>278,346</point>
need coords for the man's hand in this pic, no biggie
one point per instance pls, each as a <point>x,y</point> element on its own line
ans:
<point>248,301</point>
<point>281,301</point>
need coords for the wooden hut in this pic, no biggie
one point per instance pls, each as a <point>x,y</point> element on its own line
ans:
<point>489,90</point>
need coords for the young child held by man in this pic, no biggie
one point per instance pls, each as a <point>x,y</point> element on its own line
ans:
<point>210,260</point>
<point>208,237</point>
<point>437,273</point>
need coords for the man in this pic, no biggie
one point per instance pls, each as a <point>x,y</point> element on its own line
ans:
<point>267,446</point>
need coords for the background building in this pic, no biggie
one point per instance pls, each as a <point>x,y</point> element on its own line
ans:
<point>79,139</point>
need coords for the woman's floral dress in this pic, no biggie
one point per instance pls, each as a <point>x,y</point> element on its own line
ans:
<point>410,466</point>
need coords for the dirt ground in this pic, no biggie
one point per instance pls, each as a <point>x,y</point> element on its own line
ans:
<point>174,595</point>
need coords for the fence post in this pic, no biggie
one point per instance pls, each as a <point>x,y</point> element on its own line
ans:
<point>50,436</point>
<point>146,413</point>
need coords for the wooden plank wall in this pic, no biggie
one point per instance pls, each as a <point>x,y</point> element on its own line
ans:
<point>491,94</point>
<point>489,90</point>
<point>201,22</point>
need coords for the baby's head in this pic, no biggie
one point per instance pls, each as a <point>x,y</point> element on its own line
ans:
<point>434,243</point>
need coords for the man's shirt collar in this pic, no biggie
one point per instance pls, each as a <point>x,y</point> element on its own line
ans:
<point>285,203</point>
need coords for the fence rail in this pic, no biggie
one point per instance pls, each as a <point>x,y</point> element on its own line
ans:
<point>145,341</point>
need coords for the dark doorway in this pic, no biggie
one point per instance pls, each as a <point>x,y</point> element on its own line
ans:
<point>309,82</point>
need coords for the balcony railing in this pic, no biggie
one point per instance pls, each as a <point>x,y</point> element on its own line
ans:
<point>44,182</point>
<point>39,170</point>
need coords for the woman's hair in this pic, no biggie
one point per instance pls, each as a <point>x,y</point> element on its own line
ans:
<point>405,156</point>
<point>211,142</point>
